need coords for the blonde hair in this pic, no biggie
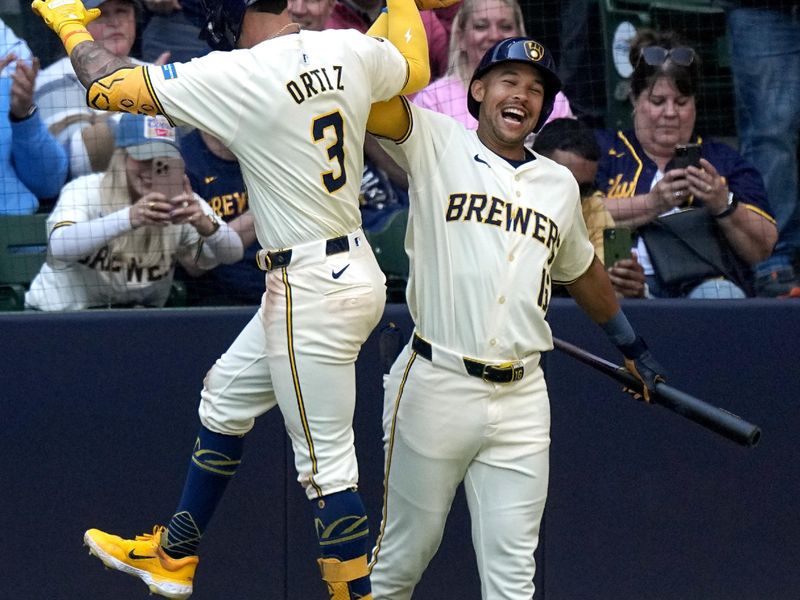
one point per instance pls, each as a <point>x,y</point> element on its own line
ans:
<point>151,243</point>
<point>457,59</point>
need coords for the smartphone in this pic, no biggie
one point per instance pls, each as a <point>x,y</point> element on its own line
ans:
<point>685,155</point>
<point>167,176</point>
<point>616,244</point>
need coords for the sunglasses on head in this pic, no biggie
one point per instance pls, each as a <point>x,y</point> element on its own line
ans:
<point>655,56</point>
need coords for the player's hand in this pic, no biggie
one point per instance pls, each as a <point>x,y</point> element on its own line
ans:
<point>640,363</point>
<point>58,13</point>
<point>434,4</point>
<point>151,209</point>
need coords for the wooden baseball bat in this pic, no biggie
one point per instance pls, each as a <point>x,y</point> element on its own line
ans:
<point>711,417</point>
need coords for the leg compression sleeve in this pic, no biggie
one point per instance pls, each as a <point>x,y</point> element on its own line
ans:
<point>214,461</point>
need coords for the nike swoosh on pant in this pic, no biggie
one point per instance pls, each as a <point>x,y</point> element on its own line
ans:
<point>337,274</point>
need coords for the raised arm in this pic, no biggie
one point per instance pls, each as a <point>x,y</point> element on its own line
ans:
<point>114,83</point>
<point>68,19</point>
<point>391,119</point>
<point>401,24</point>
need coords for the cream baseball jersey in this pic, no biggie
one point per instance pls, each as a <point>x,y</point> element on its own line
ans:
<point>488,240</point>
<point>317,84</point>
<point>101,278</point>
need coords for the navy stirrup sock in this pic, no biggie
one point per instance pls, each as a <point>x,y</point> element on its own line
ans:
<point>214,461</point>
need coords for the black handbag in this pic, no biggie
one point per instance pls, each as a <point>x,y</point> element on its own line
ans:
<point>687,247</point>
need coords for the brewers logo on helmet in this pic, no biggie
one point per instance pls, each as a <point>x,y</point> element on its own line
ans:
<point>523,50</point>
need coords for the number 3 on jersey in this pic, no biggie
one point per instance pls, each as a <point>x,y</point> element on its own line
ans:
<point>335,149</point>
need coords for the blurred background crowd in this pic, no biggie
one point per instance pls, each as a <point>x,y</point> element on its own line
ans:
<point>717,218</point>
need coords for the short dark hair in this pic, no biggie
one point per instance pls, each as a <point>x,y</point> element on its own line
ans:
<point>274,7</point>
<point>568,135</point>
<point>644,75</point>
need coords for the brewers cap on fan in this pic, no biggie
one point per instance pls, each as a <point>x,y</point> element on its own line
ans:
<point>145,138</point>
<point>89,4</point>
<point>524,50</point>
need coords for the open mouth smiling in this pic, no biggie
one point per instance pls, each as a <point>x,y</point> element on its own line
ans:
<point>515,115</point>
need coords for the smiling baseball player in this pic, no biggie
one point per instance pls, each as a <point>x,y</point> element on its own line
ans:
<point>292,106</point>
<point>491,227</point>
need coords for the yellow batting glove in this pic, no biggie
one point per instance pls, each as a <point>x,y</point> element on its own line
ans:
<point>68,18</point>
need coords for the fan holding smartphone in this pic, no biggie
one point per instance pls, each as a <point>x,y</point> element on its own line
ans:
<point>662,164</point>
<point>116,236</point>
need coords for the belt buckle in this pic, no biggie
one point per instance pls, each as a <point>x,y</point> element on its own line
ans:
<point>264,260</point>
<point>517,369</point>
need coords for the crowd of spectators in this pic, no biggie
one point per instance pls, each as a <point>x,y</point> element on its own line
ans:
<point>55,148</point>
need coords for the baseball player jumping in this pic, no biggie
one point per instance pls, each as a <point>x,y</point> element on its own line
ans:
<point>491,227</point>
<point>292,106</point>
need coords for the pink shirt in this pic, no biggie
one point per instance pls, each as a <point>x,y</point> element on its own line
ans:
<point>346,16</point>
<point>449,96</point>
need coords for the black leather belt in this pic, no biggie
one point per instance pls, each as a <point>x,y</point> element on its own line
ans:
<point>494,373</point>
<point>276,259</point>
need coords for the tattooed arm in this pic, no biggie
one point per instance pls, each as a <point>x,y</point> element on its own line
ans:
<point>68,19</point>
<point>113,83</point>
<point>92,61</point>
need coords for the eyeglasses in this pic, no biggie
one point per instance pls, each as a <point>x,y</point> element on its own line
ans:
<point>655,56</point>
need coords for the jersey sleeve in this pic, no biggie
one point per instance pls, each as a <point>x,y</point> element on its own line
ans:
<point>605,164</point>
<point>576,252</point>
<point>202,93</point>
<point>743,179</point>
<point>75,202</point>
<point>429,135</point>
<point>385,66</point>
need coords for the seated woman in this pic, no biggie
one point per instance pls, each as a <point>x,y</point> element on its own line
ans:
<point>640,186</point>
<point>114,240</point>
<point>477,26</point>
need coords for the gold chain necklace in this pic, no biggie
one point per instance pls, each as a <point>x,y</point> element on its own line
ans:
<point>284,28</point>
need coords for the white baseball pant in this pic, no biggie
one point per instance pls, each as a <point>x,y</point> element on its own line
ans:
<point>299,351</point>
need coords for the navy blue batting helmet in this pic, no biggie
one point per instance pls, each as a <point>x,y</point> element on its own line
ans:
<point>523,50</point>
<point>223,22</point>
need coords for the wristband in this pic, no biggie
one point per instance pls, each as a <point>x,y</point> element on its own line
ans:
<point>619,330</point>
<point>72,34</point>
<point>215,222</point>
<point>31,111</point>
<point>733,202</point>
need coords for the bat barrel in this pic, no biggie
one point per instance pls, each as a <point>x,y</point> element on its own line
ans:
<point>711,417</point>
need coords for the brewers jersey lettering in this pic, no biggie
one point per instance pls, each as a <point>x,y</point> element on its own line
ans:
<point>102,279</point>
<point>486,240</point>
